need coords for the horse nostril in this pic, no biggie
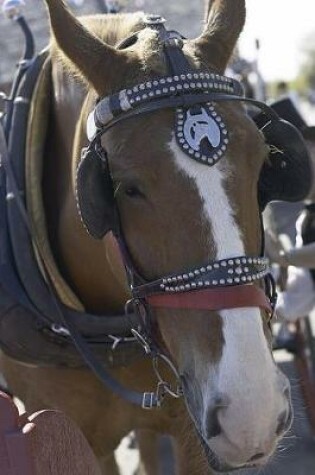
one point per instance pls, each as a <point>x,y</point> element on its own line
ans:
<point>256,457</point>
<point>213,428</point>
<point>212,424</point>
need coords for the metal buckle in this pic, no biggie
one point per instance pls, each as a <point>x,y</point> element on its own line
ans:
<point>148,401</point>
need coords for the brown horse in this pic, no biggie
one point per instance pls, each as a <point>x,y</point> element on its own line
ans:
<point>176,214</point>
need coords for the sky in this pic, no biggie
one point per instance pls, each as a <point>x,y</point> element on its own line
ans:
<point>282,27</point>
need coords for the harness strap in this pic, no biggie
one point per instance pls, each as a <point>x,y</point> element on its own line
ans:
<point>214,299</point>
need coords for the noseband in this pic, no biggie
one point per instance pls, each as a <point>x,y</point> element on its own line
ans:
<point>217,285</point>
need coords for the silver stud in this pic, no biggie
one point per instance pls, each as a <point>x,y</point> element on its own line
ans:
<point>142,86</point>
<point>182,287</point>
<point>185,277</point>
<point>238,270</point>
<point>193,285</point>
<point>216,265</point>
<point>187,286</point>
<point>174,279</point>
<point>191,275</point>
<point>155,83</point>
<point>229,281</point>
<point>189,76</point>
<point>237,280</point>
<point>162,286</point>
<point>209,267</point>
<point>230,262</point>
<point>207,282</point>
<point>230,271</point>
<point>197,272</point>
<point>214,282</point>
<point>165,90</point>
<point>200,284</point>
<point>158,92</point>
<point>176,78</point>
<point>243,279</point>
<point>223,263</point>
<point>222,281</point>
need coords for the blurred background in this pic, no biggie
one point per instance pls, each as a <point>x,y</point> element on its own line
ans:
<point>278,40</point>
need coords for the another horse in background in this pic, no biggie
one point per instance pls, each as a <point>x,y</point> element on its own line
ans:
<point>176,213</point>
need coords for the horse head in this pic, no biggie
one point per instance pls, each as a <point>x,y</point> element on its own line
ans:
<point>177,213</point>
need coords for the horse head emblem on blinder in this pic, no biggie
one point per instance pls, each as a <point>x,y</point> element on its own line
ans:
<point>199,126</point>
<point>201,133</point>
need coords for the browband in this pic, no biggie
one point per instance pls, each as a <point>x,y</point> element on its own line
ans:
<point>177,91</point>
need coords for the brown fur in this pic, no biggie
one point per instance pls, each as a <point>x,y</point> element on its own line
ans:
<point>157,243</point>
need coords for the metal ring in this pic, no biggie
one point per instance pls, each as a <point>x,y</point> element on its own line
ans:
<point>167,386</point>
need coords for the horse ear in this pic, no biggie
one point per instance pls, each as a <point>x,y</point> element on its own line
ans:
<point>91,56</point>
<point>224,22</point>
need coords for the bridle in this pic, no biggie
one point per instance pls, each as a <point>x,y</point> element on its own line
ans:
<point>217,285</point>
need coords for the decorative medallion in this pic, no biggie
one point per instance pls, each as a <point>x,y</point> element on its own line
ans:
<point>201,133</point>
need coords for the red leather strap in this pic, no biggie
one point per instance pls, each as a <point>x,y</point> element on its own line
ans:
<point>214,299</point>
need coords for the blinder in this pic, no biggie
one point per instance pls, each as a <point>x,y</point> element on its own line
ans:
<point>94,192</point>
<point>287,174</point>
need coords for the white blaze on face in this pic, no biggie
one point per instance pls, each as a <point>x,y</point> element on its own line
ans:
<point>245,373</point>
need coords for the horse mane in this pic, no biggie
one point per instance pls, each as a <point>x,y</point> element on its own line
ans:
<point>113,28</point>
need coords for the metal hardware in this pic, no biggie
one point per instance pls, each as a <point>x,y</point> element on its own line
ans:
<point>60,330</point>
<point>167,387</point>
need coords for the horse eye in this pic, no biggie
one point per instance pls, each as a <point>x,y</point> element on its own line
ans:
<point>133,192</point>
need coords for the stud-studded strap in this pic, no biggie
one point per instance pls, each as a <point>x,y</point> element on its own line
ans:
<point>129,99</point>
<point>224,273</point>
<point>242,296</point>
